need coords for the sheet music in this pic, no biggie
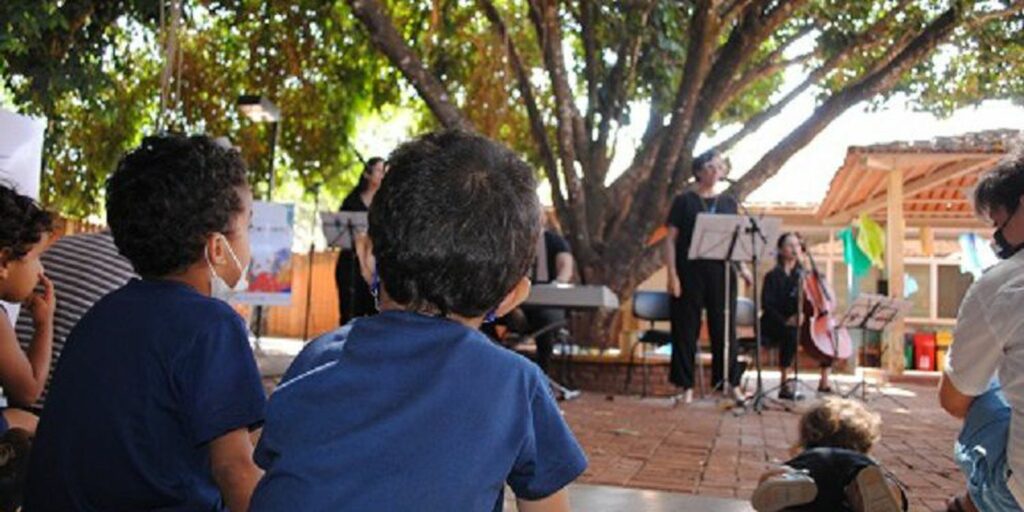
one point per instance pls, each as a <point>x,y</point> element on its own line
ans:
<point>336,226</point>
<point>883,310</point>
<point>712,234</point>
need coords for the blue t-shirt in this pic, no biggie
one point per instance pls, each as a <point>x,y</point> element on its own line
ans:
<point>408,412</point>
<point>149,376</point>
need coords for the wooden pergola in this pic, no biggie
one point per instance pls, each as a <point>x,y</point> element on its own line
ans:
<point>924,184</point>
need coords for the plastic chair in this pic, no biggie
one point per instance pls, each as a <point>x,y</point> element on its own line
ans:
<point>653,306</point>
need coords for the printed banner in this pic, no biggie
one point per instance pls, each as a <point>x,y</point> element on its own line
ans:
<point>270,273</point>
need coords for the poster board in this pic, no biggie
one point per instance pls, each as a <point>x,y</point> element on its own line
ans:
<point>271,236</point>
<point>21,163</point>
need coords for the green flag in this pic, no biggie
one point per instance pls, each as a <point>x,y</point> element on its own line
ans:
<point>855,259</point>
<point>871,240</point>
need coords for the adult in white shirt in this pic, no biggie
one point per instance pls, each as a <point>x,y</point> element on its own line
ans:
<point>983,382</point>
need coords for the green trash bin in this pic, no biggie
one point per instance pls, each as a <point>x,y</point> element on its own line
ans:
<point>908,352</point>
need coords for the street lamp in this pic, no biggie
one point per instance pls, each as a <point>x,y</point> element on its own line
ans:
<point>261,110</point>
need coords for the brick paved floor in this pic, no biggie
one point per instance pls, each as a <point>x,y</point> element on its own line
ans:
<point>700,449</point>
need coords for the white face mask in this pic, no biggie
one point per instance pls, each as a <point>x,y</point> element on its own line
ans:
<point>219,288</point>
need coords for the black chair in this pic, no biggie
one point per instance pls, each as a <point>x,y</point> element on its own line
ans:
<point>653,307</point>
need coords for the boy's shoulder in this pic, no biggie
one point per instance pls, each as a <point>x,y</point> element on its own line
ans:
<point>326,350</point>
<point>145,300</point>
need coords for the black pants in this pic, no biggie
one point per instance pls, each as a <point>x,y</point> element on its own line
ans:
<point>782,337</point>
<point>354,297</point>
<point>539,318</point>
<point>703,289</point>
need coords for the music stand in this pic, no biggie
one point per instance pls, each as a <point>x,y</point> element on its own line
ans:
<point>340,230</point>
<point>717,237</point>
<point>871,313</point>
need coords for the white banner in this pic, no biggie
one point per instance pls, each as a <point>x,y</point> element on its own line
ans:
<point>270,274</point>
<point>21,162</point>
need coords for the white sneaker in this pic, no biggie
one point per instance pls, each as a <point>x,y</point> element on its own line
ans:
<point>784,490</point>
<point>871,492</point>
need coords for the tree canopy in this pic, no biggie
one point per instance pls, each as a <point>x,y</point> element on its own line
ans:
<point>93,68</point>
<point>554,79</point>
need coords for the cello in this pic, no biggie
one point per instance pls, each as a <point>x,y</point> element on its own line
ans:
<point>820,333</point>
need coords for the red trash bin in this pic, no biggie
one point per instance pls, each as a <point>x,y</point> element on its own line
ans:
<point>924,351</point>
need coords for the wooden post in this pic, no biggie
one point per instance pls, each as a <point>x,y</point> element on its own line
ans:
<point>928,241</point>
<point>892,356</point>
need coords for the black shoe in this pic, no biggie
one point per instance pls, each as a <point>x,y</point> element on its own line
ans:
<point>786,393</point>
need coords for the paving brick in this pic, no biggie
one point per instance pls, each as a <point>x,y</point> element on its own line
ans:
<point>703,450</point>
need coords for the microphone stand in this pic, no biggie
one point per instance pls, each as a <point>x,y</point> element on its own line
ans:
<point>760,397</point>
<point>309,260</point>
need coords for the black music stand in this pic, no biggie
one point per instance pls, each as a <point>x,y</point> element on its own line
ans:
<point>340,229</point>
<point>717,237</point>
<point>871,313</point>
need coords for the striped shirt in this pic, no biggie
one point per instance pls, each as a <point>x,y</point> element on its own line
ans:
<point>83,268</point>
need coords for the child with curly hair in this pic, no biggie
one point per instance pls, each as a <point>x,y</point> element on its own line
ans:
<point>832,469</point>
<point>157,389</point>
<point>24,231</point>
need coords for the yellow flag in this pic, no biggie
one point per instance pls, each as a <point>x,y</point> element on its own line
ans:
<point>871,240</point>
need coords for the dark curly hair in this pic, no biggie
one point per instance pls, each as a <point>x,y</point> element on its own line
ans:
<point>1001,187</point>
<point>167,196</point>
<point>22,223</point>
<point>455,223</point>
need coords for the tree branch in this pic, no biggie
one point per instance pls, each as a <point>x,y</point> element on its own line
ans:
<point>867,40</point>
<point>537,128</point>
<point>652,197</point>
<point>384,36</point>
<point>591,70</point>
<point>922,45</point>
<point>750,33</point>
<point>544,15</point>
<point>613,92</point>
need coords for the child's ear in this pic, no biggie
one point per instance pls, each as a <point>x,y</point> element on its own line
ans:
<point>4,262</point>
<point>514,298</point>
<point>367,261</point>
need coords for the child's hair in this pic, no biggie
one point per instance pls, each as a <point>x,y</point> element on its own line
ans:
<point>22,223</point>
<point>840,423</point>
<point>455,223</point>
<point>167,196</point>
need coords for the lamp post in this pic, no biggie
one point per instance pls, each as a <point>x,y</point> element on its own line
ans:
<point>259,109</point>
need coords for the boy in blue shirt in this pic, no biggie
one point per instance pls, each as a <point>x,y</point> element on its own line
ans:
<point>157,389</point>
<point>415,409</point>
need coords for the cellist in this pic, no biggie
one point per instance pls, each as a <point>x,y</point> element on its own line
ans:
<point>780,306</point>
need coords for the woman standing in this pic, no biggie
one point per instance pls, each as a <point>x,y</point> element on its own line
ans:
<point>697,285</point>
<point>354,297</point>
<point>780,319</point>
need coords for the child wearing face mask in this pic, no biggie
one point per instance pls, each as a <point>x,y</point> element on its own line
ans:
<point>157,390</point>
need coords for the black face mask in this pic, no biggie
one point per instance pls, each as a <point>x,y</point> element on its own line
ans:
<point>1003,248</point>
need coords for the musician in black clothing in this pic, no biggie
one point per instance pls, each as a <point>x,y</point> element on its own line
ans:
<point>554,263</point>
<point>779,318</point>
<point>354,297</point>
<point>697,285</point>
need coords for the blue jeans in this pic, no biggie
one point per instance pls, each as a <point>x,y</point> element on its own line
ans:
<point>980,451</point>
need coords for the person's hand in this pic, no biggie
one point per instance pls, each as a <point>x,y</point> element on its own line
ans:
<point>747,277</point>
<point>792,321</point>
<point>675,287</point>
<point>43,304</point>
